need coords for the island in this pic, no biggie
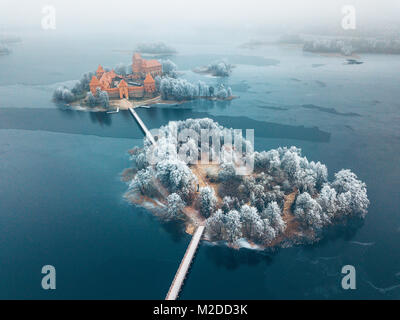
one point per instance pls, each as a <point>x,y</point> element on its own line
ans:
<point>156,48</point>
<point>216,69</point>
<point>145,82</point>
<point>281,200</point>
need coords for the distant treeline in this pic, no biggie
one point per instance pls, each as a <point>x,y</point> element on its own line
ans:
<point>155,48</point>
<point>354,45</point>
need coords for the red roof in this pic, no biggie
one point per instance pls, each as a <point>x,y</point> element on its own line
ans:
<point>122,84</point>
<point>94,81</point>
<point>151,63</point>
<point>149,79</point>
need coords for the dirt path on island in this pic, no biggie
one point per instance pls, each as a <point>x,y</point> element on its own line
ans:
<point>125,104</point>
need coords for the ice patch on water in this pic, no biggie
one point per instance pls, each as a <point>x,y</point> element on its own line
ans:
<point>365,244</point>
<point>243,243</point>
<point>383,290</point>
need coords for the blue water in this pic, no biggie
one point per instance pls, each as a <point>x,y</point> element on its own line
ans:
<point>61,197</point>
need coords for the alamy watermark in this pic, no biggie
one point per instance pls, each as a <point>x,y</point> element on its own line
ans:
<point>349,21</point>
<point>49,280</point>
<point>48,21</point>
<point>209,146</point>
<point>349,280</point>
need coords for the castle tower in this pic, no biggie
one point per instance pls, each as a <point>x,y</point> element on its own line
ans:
<point>100,71</point>
<point>137,63</point>
<point>149,84</point>
<point>123,90</point>
<point>94,83</point>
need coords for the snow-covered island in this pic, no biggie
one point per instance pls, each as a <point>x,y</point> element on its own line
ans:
<point>108,88</point>
<point>155,48</point>
<point>216,69</point>
<point>283,201</point>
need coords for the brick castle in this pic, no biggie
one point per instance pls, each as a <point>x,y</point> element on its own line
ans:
<point>139,84</point>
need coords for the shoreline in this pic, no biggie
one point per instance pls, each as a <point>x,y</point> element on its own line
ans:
<point>192,218</point>
<point>125,104</point>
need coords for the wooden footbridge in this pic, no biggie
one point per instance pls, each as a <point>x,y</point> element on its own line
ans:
<point>142,125</point>
<point>183,269</point>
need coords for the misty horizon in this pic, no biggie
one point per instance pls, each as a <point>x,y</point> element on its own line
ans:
<point>214,21</point>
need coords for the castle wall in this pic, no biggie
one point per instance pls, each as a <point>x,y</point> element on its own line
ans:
<point>136,92</point>
<point>113,92</point>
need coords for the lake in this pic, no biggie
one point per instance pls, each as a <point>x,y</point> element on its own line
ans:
<point>61,197</point>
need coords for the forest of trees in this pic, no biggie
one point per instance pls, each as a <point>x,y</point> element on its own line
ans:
<point>181,89</point>
<point>355,45</point>
<point>155,48</point>
<point>251,206</point>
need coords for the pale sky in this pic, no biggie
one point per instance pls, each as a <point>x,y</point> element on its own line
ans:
<point>177,15</point>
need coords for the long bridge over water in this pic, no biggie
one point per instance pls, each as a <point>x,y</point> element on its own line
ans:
<point>181,274</point>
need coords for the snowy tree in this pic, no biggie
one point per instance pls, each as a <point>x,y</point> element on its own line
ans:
<point>308,211</point>
<point>267,160</point>
<point>227,172</point>
<point>215,225</point>
<point>305,180</point>
<point>157,81</point>
<point>82,85</point>
<point>328,202</point>
<point>78,91</point>
<point>221,93</point>
<point>227,204</point>
<point>143,182</point>
<point>169,68</point>
<point>102,98</point>
<point>176,176</point>
<point>207,200</point>
<point>91,100</point>
<point>291,163</point>
<point>63,94</point>
<point>250,221</point>
<point>139,160</point>
<point>258,196</point>
<point>175,206</point>
<point>273,214</point>
<point>211,91</point>
<point>233,226</point>
<point>203,89</point>
<point>268,233</point>
<point>274,195</point>
<point>178,89</point>
<point>220,69</point>
<point>321,173</point>
<point>352,193</point>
